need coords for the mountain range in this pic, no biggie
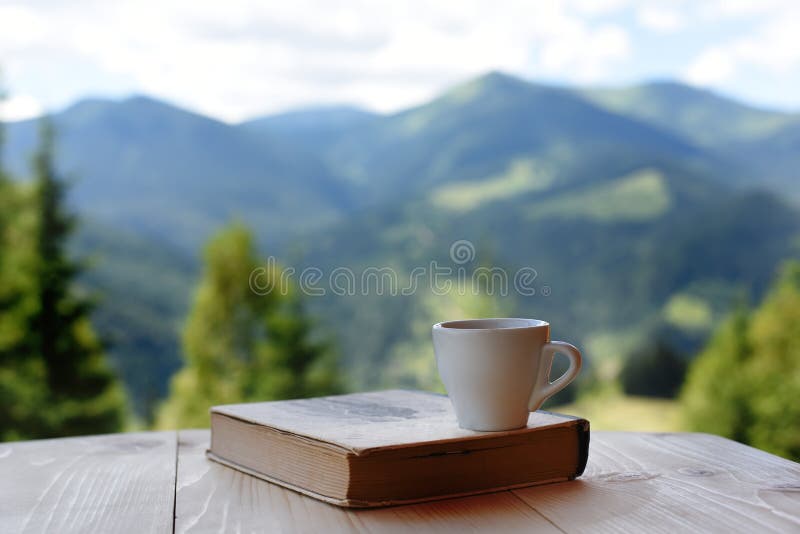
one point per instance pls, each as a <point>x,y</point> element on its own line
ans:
<point>644,208</point>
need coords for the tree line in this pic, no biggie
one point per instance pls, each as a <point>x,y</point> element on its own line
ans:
<point>55,376</point>
<point>745,382</point>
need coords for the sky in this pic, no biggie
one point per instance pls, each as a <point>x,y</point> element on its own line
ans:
<point>238,59</point>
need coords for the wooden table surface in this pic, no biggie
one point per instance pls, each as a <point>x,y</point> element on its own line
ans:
<point>162,482</point>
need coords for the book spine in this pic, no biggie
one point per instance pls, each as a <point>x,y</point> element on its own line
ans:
<point>582,430</point>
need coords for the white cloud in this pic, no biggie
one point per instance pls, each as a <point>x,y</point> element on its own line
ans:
<point>659,18</point>
<point>19,107</point>
<point>776,47</point>
<point>237,58</point>
<point>21,27</point>
<point>599,7</point>
<point>712,66</point>
<point>745,8</point>
<point>770,49</point>
<point>585,54</point>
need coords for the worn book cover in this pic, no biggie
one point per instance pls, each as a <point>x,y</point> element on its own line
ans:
<point>391,447</point>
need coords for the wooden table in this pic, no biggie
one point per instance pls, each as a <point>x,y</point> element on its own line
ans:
<point>162,482</point>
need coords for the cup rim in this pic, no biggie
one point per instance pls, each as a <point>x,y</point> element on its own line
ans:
<point>463,324</point>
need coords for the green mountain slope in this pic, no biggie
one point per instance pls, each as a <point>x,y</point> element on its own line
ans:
<point>480,127</point>
<point>175,176</point>
<point>764,145</point>
<point>313,128</point>
<point>700,115</point>
<point>608,260</point>
<point>625,220</point>
<point>774,157</point>
<point>615,216</point>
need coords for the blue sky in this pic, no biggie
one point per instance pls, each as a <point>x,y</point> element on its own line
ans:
<point>235,59</point>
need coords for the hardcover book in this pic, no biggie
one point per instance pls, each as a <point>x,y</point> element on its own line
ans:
<point>391,447</point>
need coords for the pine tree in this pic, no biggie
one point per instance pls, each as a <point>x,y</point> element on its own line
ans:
<point>23,394</point>
<point>57,381</point>
<point>746,383</point>
<point>774,371</point>
<point>715,395</point>
<point>292,364</point>
<point>241,346</point>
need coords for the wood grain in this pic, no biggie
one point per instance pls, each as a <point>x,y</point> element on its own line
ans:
<point>213,498</point>
<point>634,483</point>
<point>674,483</point>
<point>116,483</point>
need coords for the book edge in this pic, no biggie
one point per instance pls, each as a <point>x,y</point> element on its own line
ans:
<point>365,451</point>
<point>353,503</point>
<point>303,437</point>
<point>569,420</point>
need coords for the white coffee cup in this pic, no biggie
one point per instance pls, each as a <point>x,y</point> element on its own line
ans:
<point>496,371</point>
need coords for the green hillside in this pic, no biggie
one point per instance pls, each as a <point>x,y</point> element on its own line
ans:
<point>700,115</point>
<point>763,145</point>
<point>775,156</point>
<point>639,196</point>
<point>142,290</point>
<point>175,176</point>
<point>313,128</point>
<point>616,217</point>
<point>479,128</point>
<point>630,223</point>
<point>627,267</point>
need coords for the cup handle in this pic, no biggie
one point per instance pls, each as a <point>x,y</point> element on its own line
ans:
<point>544,389</point>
